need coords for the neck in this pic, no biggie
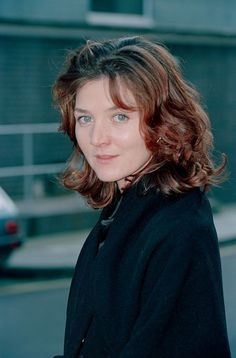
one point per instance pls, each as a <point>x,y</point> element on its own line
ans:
<point>122,184</point>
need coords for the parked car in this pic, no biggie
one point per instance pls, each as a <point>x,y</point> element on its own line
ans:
<point>10,230</point>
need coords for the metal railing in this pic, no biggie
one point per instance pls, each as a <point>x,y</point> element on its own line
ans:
<point>28,170</point>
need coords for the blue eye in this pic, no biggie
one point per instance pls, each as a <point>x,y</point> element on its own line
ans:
<point>84,119</point>
<point>120,117</point>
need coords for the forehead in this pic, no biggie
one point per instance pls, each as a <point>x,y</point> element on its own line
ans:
<point>115,91</point>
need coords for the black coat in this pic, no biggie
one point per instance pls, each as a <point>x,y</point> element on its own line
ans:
<point>154,289</point>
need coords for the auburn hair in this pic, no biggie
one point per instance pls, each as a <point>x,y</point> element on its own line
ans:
<point>174,125</point>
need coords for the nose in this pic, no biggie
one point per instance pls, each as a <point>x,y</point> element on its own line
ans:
<point>99,134</point>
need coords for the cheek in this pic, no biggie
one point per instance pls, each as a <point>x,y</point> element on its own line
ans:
<point>76,133</point>
<point>136,142</point>
<point>80,138</point>
<point>128,138</point>
<point>141,149</point>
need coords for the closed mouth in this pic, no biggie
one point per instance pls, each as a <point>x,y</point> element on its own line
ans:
<point>105,156</point>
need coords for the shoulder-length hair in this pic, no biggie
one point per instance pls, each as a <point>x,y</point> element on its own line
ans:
<point>174,125</point>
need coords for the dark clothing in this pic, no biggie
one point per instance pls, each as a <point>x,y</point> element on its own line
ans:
<point>154,288</point>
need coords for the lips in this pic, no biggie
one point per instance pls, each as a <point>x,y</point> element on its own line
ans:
<point>105,157</point>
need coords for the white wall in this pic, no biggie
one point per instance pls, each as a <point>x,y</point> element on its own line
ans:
<point>205,15</point>
<point>46,10</point>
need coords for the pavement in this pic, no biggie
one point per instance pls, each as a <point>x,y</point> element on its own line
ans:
<point>59,252</point>
<point>53,254</point>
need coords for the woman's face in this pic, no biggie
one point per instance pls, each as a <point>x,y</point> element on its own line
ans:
<point>109,137</point>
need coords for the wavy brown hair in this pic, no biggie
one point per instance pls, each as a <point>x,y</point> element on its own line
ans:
<point>174,125</point>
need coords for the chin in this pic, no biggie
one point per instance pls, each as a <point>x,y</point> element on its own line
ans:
<point>108,178</point>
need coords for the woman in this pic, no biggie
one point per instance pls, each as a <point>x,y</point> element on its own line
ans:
<point>148,279</point>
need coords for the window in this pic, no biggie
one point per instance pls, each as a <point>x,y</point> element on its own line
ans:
<point>117,6</point>
<point>121,12</point>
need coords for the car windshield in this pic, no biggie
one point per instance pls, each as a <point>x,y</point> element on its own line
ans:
<point>6,204</point>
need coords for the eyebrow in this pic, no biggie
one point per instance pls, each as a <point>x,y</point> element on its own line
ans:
<point>81,110</point>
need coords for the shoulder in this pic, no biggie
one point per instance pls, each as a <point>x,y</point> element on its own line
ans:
<point>192,207</point>
<point>183,219</point>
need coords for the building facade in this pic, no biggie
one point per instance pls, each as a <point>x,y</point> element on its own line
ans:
<point>34,38</point>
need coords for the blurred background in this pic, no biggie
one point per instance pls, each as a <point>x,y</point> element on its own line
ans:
<point>43,226</point>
